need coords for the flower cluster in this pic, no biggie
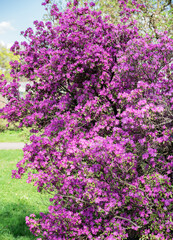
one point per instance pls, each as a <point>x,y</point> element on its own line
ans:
<point>100,99</point>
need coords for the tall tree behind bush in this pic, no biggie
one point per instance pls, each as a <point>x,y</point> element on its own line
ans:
<point>153,15</point>
<point>101,104</point>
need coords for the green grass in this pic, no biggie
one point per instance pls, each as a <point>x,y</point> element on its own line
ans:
<point>18,200</point>
<point>11,135</point>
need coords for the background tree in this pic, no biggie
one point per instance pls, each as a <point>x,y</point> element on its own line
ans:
<point>5,57</point>
<point>101,113</point>
<point>154,14</point>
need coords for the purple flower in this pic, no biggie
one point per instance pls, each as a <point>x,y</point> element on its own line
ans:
<point>99,108</point>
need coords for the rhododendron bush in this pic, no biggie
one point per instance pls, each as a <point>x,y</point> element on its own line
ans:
<point>100,107</point>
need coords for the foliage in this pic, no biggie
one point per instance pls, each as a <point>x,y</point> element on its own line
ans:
<point>153,15</point>
<point>3,125</point>
<point>5,57</point>
<point>100,96</point>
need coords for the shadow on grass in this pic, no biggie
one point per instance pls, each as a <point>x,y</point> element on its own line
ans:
<point>12,220</point>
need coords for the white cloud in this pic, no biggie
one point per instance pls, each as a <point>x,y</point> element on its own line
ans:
<point>5,26</point>
<point>2,43</point>
<point>7,45</point>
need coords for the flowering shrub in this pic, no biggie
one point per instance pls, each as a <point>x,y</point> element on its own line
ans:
<point>100,108</point>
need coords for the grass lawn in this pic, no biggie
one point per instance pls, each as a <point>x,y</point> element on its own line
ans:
<point>14,136</point>
<point>18,200</point>
<point>11,136</point>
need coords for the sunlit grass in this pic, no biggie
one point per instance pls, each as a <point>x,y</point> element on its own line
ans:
<point>18,200</point>
<point>11,135</point>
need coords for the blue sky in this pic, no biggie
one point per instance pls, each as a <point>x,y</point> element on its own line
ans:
<point>17,16</point>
